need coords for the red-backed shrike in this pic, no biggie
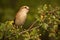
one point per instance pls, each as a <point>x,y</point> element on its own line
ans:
<point>21,16</point>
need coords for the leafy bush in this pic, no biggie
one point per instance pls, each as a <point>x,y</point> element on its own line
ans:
<point>45,27</point>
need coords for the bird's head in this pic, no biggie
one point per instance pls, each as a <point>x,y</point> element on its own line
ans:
<point>24,8</point>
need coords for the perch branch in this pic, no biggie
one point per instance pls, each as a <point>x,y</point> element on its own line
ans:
<point>28,30</point>
<point>33,24</point>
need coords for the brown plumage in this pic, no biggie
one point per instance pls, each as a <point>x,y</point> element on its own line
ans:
<point>21,16</point>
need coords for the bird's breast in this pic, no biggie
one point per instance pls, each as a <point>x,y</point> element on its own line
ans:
<point>20,19</point>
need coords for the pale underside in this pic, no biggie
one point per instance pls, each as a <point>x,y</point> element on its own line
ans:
<point>20,19</point>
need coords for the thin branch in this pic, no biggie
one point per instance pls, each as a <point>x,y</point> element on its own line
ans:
<point>28,30</point>
<point>33,24</point>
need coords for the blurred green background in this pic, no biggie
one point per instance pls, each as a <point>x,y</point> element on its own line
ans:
<point>9,8</point>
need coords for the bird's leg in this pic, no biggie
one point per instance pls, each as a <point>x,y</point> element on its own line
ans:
<point>21,26</point>
<point>17,27</point>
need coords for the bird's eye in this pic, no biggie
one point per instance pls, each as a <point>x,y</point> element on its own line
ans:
<point>25,7</point>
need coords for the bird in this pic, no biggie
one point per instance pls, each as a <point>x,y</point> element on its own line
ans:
<point>21,16</point>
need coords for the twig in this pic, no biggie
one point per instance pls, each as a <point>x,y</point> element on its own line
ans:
<point>28,30</point>
<point>33,24</point>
